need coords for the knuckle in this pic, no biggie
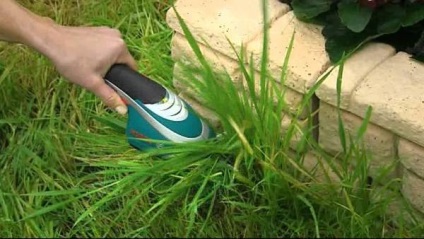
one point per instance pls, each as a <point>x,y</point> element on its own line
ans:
<point>91,86</point>
<point>119,44</point>
<point>92,83</point>
<point>110,31</point>
<point>115,32</point>
<point>105,28</point>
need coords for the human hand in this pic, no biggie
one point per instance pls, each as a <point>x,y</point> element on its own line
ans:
<point>83,55</point>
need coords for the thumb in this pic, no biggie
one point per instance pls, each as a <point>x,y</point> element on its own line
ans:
<point>110,98</point>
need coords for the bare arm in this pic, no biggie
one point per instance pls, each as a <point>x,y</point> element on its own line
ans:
<point>16,23</point>
<point>81,54</point>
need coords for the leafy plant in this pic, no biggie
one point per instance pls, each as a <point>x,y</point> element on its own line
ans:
<point>349,24</point>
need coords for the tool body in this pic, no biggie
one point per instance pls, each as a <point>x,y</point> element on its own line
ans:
<point>155,112</point>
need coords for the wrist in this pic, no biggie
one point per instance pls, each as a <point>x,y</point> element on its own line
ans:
<point>43,36</point>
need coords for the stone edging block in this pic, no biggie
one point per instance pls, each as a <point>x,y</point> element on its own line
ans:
<point>292,99</point>
<point>308,59</point>
<point>376,140</point>
<point>412,156</point>
<point>182,51</point>
<point>413,189</point>
<point>395,91</point>
<point>215,22</point>
<point>355,69</point>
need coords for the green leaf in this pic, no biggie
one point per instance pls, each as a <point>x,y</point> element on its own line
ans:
<point>4,72</point>
<point>340,40</point>
<point>117,125</point>
<point>364,125</point>
<point>389,18</point>
<point>354,16</point>
<point>308,9</point>
<point>419,58</point>
<point>418,49</point>
<point>414,14</point>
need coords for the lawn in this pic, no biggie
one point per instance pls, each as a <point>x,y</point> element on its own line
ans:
<point>67,170</point>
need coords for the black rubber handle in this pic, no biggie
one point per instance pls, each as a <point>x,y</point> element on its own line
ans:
<point>135,85</point>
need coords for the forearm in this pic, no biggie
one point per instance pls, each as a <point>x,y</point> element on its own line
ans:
<point>82,55</point>
<point>18,25</point>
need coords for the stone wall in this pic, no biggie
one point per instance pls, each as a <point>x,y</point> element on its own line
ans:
<point>377,76</point>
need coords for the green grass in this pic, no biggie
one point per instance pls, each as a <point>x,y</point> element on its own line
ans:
<point>67,170</point>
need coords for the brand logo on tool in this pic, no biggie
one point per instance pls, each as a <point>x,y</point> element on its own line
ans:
<point>137,134</point>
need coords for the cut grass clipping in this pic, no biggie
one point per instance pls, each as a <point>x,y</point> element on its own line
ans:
<point>68,171</point>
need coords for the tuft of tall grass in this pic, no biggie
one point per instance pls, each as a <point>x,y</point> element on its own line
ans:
<point>67,169</point>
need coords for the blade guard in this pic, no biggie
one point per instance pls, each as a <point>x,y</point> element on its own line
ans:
<point>151,120</point>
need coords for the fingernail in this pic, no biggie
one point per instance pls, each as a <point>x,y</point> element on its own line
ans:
<point>121,110</point>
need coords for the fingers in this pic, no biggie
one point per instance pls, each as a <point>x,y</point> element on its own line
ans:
<point>98,48</point>
<point>127,58</point>
<point>113,32</point>
<point>109,97</point>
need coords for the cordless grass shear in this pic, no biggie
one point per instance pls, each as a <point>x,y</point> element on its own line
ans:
<point>154,112</point>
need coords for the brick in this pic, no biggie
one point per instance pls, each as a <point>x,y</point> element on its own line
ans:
<point>411,156</point>
<point>182,51</point>
<point>202,111</point>
<point>413,190</point>
<point>308,59</point>
<point>221,22</point>
<point>377,141</point>
<point>292,99</point>
<point>394,89</point>
<point>354,71</point>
